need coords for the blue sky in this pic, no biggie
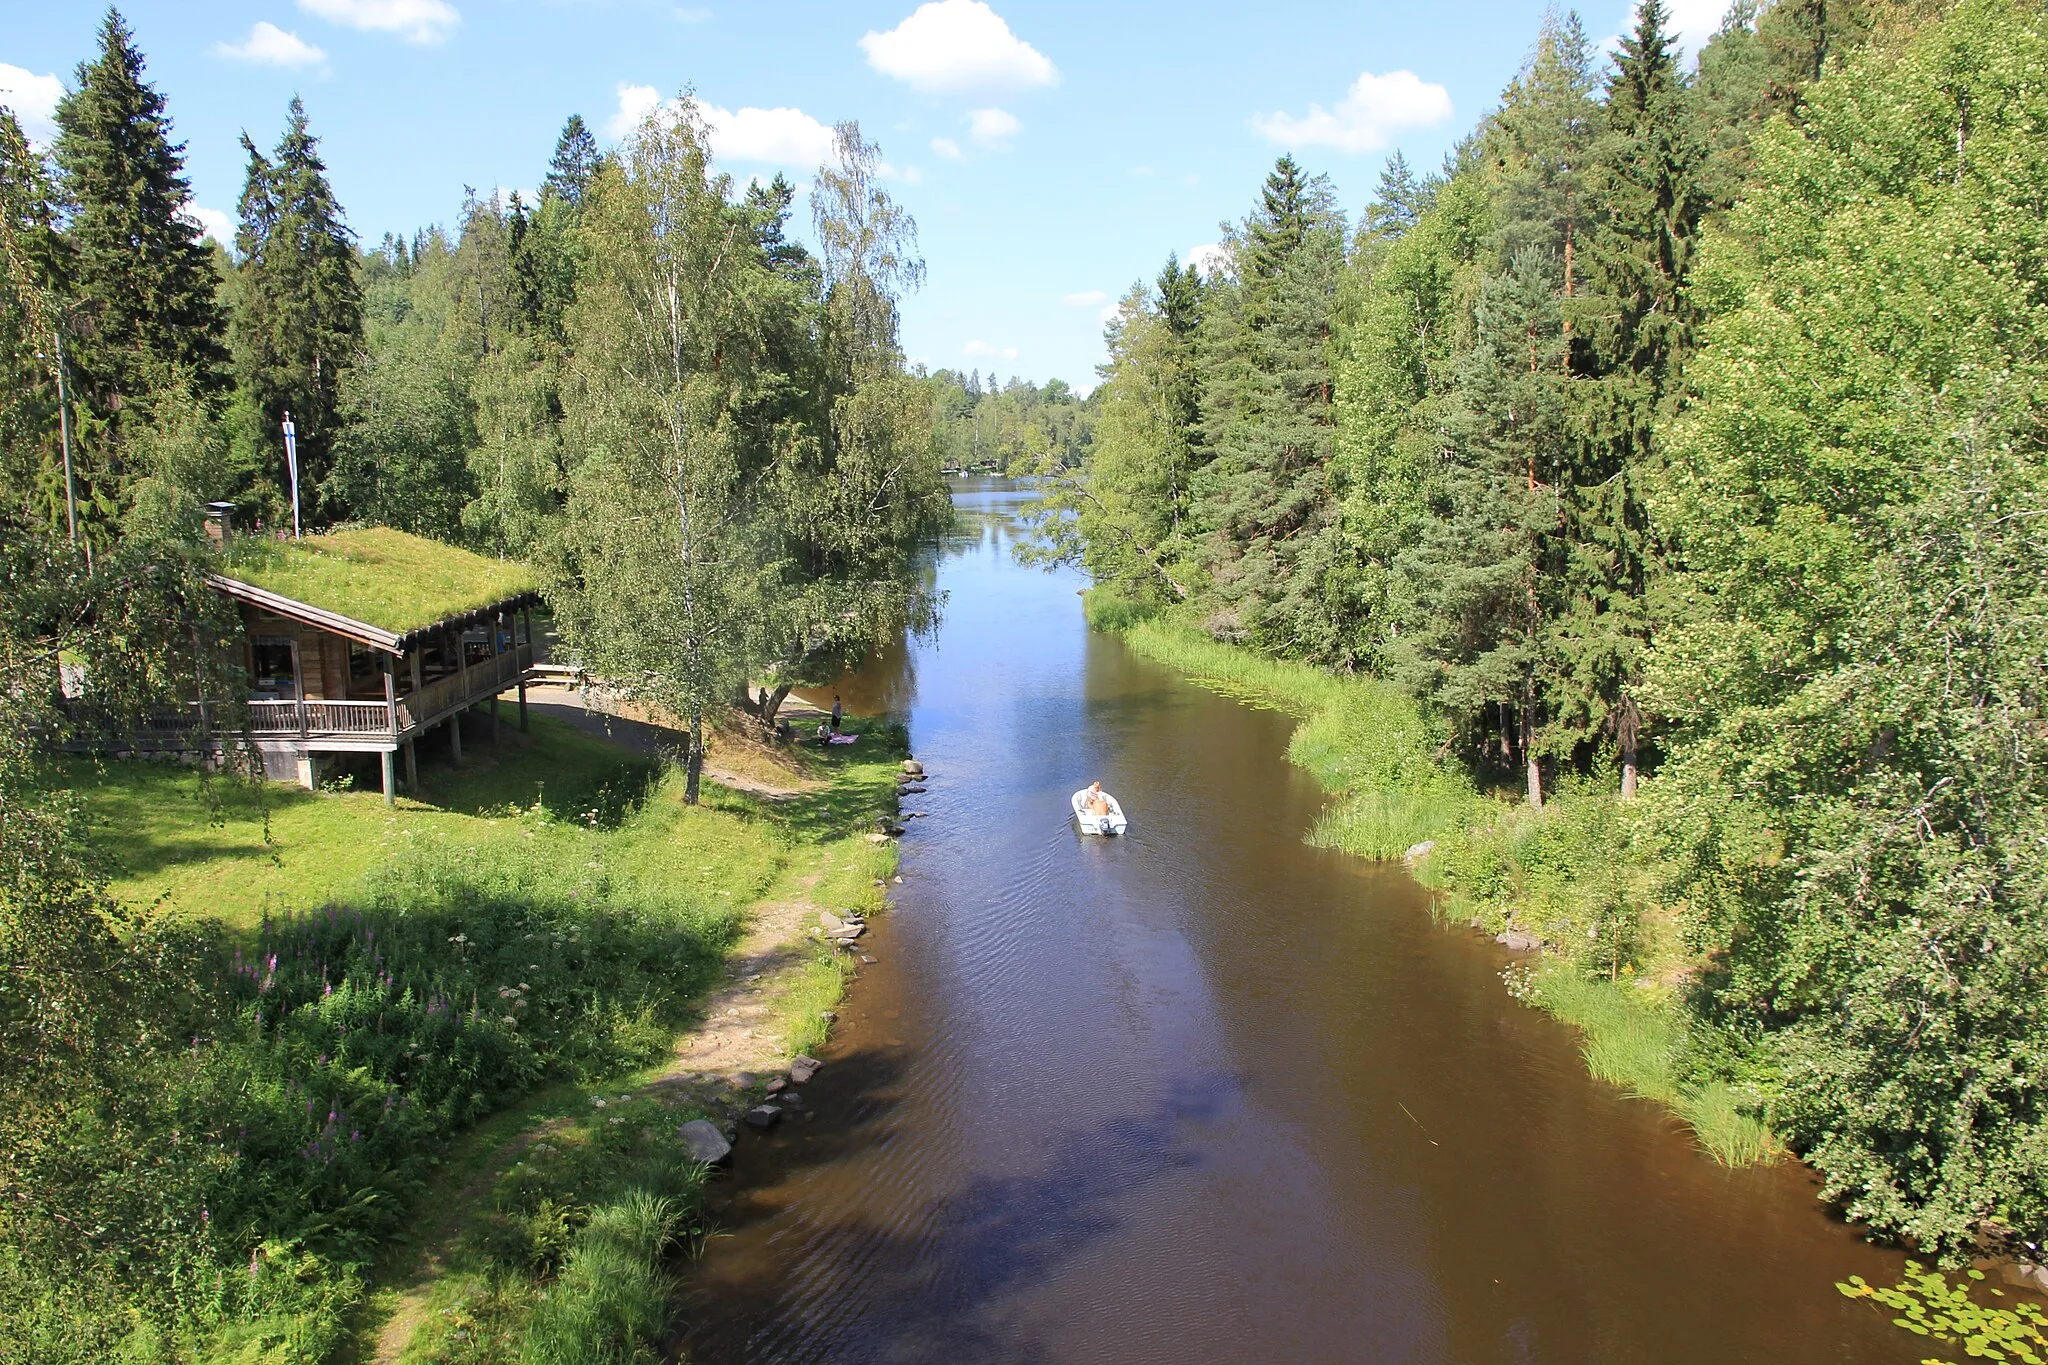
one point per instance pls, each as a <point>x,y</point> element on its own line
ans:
<point>1052,152</point>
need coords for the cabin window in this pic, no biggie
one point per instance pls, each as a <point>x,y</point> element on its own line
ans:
<point>270,673</point>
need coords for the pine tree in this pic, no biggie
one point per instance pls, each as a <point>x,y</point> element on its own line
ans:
<point>298,323</point>
<point>1266,404</point>
<point>1638,328</point>
<point>1799,37</point>
<point>574,165</point>
<point>1539,145</point>
<point>1730,91</point>
<point>144,285</point>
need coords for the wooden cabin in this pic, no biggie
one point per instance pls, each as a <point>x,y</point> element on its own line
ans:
<point>361,641</point>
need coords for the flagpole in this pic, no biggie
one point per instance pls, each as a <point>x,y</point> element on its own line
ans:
<point>291,455</point>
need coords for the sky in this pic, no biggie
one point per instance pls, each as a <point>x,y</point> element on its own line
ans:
<point>1052,152</point>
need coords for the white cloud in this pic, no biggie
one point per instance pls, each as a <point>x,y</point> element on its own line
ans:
<point>1373,109</point>
<point>416,21</point>
<point>1692,22</point>
<point>693,16</point>
<point>909,175</point>
<point>779,136</point>
<point>1108,313</point>
<point>1208,257</point>
<point>954,46</point>
<point>636,102</point>
<point>993,127</point>
<point>948,149</point>
<point>776,137</point>
<point>269,45</point>
<point>213,222</point>
<point>982,348</point>
<point>33,99</point>
<point>1087,298</point>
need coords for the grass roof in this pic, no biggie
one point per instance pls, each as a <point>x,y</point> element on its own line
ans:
<point>384,578</point>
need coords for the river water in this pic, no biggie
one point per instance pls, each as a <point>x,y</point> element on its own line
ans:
<point>1203,1092</point>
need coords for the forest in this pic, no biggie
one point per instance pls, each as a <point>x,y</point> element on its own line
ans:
<point>701,433</point>
<point>1667,468</point>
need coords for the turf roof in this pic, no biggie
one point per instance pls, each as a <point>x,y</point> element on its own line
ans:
<point>381,577</point>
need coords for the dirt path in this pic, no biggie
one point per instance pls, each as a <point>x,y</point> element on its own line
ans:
<point>651,740</point>
<point>716,1066</point>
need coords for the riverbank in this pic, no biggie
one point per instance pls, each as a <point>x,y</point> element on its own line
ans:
<point>506,997</point>
<point>1564,886</point>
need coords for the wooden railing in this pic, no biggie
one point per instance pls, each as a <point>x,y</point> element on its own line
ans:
<point>315,717</point>
<point>478,681</point>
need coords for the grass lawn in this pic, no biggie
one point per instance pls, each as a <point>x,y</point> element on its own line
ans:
<point>200,847</point>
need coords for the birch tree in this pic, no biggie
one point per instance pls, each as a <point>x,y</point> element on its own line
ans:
<point>659,571</point>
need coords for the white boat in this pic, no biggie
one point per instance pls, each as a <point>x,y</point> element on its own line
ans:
<point>1112,823</point>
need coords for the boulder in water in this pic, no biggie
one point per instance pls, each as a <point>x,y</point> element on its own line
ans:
<point>762,1117</point>
<point>703,1141</point>
<point>1417,852</point>
<point>802,1068</point>
<point>1519,941</point>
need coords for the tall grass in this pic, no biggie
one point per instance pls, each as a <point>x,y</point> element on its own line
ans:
<point>610,1302</point>
<point>1636,1041</point>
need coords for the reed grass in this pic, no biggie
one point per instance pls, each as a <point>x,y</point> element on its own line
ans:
<point>1633,1040</point>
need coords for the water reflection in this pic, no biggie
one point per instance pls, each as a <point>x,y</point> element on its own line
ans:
<point>1204,1091</point>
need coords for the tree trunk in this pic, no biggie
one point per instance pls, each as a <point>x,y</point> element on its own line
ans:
<point>693,762</point>
<point>1626,731</point>
<point>1529,756</point>
<point>774,707</point>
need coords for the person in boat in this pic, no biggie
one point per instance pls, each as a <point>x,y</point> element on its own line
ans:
<point>1095,803</point>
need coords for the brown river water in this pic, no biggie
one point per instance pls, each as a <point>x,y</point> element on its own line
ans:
<point>1203,1092</point>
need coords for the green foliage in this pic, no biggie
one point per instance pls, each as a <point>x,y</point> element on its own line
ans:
<point>1855,811</point>
<point>1001,425</point>
<point>33,267</point>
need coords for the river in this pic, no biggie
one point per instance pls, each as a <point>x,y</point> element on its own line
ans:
<point>1205,1093</point>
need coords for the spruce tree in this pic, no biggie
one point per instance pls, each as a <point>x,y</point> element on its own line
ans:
<point>1179,304</point>
<point>32,316</point>
<point>1266,405</point>
<point>1729,91</point>
<point>1398,202</point>
<point>298,323</point>
<point>574,164</point>
<point>1484,572</point>
<point>1637,329</point>
<point>144,285</point>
